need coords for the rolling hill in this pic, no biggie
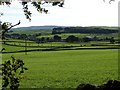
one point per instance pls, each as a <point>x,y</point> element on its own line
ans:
<point>37,28</point>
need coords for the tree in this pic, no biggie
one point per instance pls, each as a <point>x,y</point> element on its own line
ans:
<point>10,68</point>
<point>112,40</point>
<point>47,39</point>
<point>23,36</point>
<point>86,39</point>
<point>57,38</point>
<point>6,26</point>
<point>72,38</point>
<point>43,39</point>
<point>36,3</point>
<point>38,41</point>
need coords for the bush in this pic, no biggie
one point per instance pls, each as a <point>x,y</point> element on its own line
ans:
<point>12,71</point>
<point>110,85</point>
<point>86,87</point>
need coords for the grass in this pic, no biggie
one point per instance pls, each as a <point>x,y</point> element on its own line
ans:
<point>14,45</point>
<point>67,69</point>
<point>30,32</point>
<point>18,48</point>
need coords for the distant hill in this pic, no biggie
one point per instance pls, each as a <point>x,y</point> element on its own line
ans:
<point>37,28</point>
<point>51,27</point>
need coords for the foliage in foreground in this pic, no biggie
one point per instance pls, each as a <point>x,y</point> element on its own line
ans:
<point>110,85</point>
<point>12,71</point>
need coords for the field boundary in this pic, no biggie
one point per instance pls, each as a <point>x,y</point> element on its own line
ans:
<point>60,49</point>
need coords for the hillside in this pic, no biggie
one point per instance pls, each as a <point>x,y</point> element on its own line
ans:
<point>37,28</point>
<point>52,26</point>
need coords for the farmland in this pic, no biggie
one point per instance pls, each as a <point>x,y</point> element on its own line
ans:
<point>61,64</point>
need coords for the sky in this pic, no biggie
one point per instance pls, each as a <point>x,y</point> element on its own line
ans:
<point>74,13</point>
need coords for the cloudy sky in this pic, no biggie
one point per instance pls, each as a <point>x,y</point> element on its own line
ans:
<point>74,13</point>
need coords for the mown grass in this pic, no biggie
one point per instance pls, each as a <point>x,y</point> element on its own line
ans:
<point>67,69</point>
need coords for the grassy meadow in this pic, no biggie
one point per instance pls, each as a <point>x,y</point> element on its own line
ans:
<point>67,69</point>
<point>44,32</point>
<point>64,68</point>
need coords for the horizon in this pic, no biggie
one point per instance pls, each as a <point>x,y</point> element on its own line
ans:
<point>63,26</point>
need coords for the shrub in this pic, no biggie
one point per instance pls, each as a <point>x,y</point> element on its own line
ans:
<point>12,71</point>
<point>110,85</point>
<point>86,87</point>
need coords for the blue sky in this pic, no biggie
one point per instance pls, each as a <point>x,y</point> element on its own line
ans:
<point>74,13</point>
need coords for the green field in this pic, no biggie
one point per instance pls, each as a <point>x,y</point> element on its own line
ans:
<point>48,33</point>
<point>69,68</point>
<point>31,32</point>
<point>19,46</point>
<point>62,64</point>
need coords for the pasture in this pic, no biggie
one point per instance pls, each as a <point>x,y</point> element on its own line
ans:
<point>67,68</point>
<point>63,68</point>
<point>48,33</point>
<point>31,32</point>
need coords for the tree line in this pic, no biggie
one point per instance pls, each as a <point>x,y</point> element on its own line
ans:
<point>58,38</point>
<point>84,30</point>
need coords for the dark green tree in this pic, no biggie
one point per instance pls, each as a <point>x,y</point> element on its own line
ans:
<point>72,39</point>
<point>112,40</point>
<point>57,38</point>
<point>43,39</point>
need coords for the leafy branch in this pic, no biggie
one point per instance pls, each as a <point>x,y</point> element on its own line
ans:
<point>6,26</point>
<point>12,71</point>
